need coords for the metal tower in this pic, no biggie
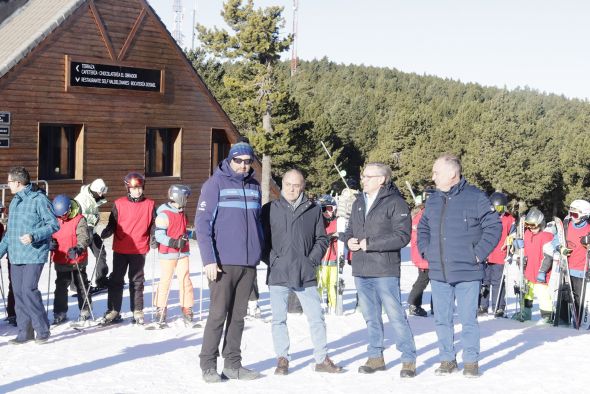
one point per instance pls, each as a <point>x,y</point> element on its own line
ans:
<point>294,44</point>
<point>178,18</point>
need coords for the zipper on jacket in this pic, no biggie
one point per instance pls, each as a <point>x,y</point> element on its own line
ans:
<point>246,212</point>
<point>440,240</point>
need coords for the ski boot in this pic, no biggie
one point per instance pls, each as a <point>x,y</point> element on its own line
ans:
<point>59,318</point>
<point>417,311</point>
<point>159,320</point>
<point>111,317</point>
<point>187,316</point>
<point>138,318</point>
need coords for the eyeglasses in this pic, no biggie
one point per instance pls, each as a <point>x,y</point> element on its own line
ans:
<point>328,208</point>
<point>237,160</point>
<point>370,176</point>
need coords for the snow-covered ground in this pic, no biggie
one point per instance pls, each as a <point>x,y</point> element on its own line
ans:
<point>515,357</point>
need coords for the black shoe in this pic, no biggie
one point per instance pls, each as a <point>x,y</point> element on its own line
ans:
<point>11,320</point>
<point>417,311</point>
<point>211,376</point>
<point>97,290</point>
<point>59,318</point>
<point>482,311</point>
<point>499,313</point>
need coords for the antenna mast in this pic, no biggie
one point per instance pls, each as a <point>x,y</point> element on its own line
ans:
<point>178,18</point>
<point>295,38</point>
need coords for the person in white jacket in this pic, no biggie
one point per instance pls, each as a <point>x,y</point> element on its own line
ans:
<point>90,198</point>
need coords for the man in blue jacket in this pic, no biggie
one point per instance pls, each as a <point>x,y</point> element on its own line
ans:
<point>457,232</point>
<point>31,223</point>
<point>229,234</point>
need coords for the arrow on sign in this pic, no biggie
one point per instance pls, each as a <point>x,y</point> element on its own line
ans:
<point>78,67</point>
<point>77,79</point>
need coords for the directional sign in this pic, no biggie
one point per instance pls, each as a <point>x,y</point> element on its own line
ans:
<point>93,75</point>
<point>4,117</point>
<point>4,131</point>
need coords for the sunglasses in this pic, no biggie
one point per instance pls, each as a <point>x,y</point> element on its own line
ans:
<point>328,208</point>
<point>237,160</point>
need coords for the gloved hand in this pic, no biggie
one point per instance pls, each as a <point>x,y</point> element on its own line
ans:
<point>585,240</point>
<point>565,251</point>
<point>53,244</point>
<point>75,252</point>
<point>509,240</point>
<point>484,291</point>
<point>178,243</point>
<point>518,243</point>
<point>542,277</point>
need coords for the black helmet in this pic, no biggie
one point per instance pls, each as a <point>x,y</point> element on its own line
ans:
<point>179,194</point>
<point>134,179</point>
<point>534,217</point>
<point>61,205</point>
<point>326,200</point>
<point>499,201</point>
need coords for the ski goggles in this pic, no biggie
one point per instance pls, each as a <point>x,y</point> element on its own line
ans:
<point>531,226</point>
<point>500,208</point>
<point>328,208</point>
<point>237,160</point>
<point>574,214</point>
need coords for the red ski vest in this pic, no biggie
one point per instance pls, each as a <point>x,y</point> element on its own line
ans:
<point>332,251</point>
<point>176,228</point>
<point>576,260</point>
<point>498,255</point>
<point>414,252</point>
<point>66,238</point>
<point>132,235</point>
<point>533,250</point>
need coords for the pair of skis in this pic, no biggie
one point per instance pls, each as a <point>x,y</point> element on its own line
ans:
<point>564,285</point>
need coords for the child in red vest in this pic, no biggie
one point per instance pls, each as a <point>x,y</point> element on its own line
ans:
<point>171,222</point>
<point>327,272</point>
<point>70,257</point>
<point>415,296</point>
<point>131,220</point>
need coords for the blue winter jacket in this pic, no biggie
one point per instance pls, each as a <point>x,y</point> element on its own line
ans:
<point>228,225</point>
<point>457,232</point>
<point>29,212</point>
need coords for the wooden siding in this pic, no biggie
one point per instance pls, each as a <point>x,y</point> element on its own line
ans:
<point>114,121</point>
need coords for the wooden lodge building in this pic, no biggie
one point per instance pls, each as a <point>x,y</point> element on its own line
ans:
<point>98,88</point>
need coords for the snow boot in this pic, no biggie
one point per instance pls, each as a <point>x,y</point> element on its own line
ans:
<point>111,317</point>
<point>417,311</point>
<point>328,366</point>
<point>446,368</point>
<point>211,376</point>
<point>499,313</point>
<point>471,370</point>
<point>482,311</point>
<point>408,370</point>
<point>282,366</point>
<point>137,318</point>
<point>59,318</point>
<point>240,373</point>
<point>372,365</point>
<point>187,316</point>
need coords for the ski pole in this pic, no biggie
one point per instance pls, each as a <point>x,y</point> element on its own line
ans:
<point>48,285</point>
<point>86,300</point>
<point>335,165</point>
<point>201,296</point>
<point>153,281</point>
<point>2,289</point>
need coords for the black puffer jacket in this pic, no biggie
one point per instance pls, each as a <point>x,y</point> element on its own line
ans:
<point>386,227</point>
<point>295,241</point>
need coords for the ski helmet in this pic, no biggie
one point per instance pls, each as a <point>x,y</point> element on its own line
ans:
<point>581,207</point>
<point>326,200</point>
<point>61,205</point>
<point>534,217</point>
<point>98,186</point>
<point>179,194</point>
<point>499,201</point>
<point>134,179</point>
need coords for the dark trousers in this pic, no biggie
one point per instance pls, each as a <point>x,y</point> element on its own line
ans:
<point>564,311</point>
<point>135,263</point>
<point>229,302</point>
<point>493,278</point>
<point>254,294</point>
<point>415,297</point>
<point>62,282</point>
<point>102,269</point>
<point>30,313</point>
<point>10,309</point>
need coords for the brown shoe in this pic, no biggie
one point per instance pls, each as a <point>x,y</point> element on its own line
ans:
<point>282,366</point>
<point>408,370</point>
<point>471,370</point>
<point>373,365</point>
<point>328,366</point>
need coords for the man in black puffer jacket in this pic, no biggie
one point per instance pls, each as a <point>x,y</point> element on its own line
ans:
<point>295,242</point>
<point>457,232</point>
<point>379,226</point>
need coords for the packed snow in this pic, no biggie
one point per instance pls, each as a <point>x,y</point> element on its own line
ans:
<point>123,358</point>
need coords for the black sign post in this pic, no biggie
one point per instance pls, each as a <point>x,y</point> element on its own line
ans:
<point>93,75</point>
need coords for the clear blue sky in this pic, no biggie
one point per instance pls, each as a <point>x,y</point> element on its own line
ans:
<point>511,43</point>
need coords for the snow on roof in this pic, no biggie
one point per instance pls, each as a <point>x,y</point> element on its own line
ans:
<point>22,31</point>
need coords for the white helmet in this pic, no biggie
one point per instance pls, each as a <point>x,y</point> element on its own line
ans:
<point>98,186</point>
<point>580,206</point>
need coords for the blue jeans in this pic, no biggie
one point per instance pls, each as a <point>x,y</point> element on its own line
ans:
<point>310,302</point>
<point>374,295</point>
<point>444,296</point>
<point>30,313</point>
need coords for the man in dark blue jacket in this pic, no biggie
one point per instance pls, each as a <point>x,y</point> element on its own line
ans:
<point>295,242</point>
<point>457,232</point>
<point>379,226</point>
<point>229,234</point>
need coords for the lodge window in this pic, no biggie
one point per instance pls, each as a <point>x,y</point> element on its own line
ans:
<point>162,155</point>
<point>220,147</point>
<point>60,151</point>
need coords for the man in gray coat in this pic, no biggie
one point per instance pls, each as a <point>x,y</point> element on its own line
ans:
<point>295,241</point>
